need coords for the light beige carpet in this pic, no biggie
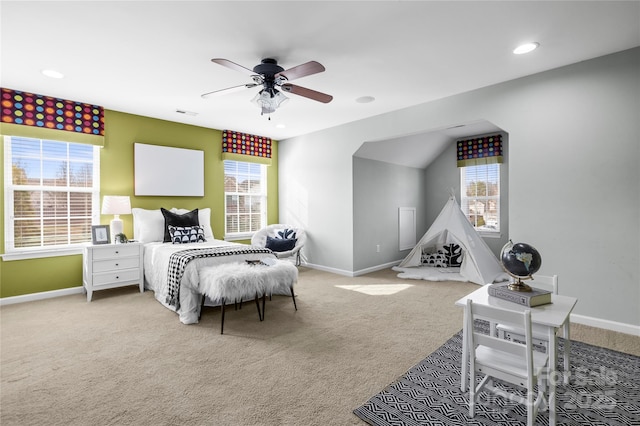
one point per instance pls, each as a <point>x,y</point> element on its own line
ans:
<point>124,359</point>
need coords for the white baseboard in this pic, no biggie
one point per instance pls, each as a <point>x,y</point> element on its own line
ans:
<point>620,327</point>
<point>327,269</point>
<point>40,296</point>
<point>376,268</point>
<point>352,273</point>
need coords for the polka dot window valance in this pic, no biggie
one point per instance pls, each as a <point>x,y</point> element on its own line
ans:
<point>479,150</point>
<point>46,117</point>
<point>245,147</point>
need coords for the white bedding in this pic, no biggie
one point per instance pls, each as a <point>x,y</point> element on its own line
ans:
<point>156,263</point>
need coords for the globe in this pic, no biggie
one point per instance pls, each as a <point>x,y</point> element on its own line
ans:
<point>521,261</point>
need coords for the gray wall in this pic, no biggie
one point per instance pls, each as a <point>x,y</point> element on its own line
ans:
<point>574,152</point>
<point>379,189</point>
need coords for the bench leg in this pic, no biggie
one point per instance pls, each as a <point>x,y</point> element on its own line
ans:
<point>264,298</point>
<point>293,296</point>
<point>201,307</point>
<point>222,319</point>
<point>257,299</point>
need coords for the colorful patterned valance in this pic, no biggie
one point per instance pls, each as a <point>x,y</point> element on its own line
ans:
<point>244,147</point>
<point>45,117</point>
<point>480,150</point>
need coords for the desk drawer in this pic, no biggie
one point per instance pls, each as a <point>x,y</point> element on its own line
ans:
<point>116,277</point>
<point>115,251</point>
<point>115,264</point>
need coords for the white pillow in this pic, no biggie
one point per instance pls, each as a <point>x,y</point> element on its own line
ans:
<point>148,225</point>
<point>204,219</point>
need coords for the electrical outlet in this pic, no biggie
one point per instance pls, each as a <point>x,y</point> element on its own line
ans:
<point>378,248</point>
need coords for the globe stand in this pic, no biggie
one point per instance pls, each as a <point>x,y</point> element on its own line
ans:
<point>518,285</point>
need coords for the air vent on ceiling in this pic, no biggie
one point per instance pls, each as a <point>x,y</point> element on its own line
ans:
<point>191,113</point>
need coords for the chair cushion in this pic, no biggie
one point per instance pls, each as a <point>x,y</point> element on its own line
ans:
<point>279,244</point>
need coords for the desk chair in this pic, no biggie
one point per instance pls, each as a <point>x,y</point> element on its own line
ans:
<point>505,360</point>
<point>540,337</point>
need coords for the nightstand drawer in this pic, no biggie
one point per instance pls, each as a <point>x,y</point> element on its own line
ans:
<point>115,264</point>
<point>116,276</point>
<point>115,251</point>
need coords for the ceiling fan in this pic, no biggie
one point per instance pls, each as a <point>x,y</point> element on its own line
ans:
<point>272,76</point>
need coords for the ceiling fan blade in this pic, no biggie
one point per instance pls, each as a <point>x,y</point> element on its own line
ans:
<point>307,93</point>
<point>232,65</point>
<point>227,90</point>
<point>311,67</point>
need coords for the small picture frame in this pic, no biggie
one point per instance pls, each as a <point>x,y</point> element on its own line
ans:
<point>100,234</point>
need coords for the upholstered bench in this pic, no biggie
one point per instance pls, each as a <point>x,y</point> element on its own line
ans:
<point>243,281</point>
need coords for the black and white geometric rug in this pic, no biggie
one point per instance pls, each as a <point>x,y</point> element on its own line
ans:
<point>604,389</point>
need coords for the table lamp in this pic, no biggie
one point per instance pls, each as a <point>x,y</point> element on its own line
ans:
<point>116,205</point>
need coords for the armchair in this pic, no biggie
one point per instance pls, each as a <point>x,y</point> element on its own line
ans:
<point>278,238</point>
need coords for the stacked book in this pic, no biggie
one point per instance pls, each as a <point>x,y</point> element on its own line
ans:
<point>535,297</point>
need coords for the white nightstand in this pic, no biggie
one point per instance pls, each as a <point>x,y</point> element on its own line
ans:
<point>112,265</point>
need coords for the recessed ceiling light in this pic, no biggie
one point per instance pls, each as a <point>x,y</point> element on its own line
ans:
<point>526,48</point>
<point>53,73</point>
<point>365,99</point>
<point>280,126</point>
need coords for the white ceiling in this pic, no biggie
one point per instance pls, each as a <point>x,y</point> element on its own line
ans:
<point>154,57</point>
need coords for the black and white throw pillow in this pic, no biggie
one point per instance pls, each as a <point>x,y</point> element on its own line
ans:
<point>186,234</point>
<point>445,256</point>
<point>434,258</point>
<point>453,253</point>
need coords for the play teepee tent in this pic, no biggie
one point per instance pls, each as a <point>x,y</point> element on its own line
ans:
<point>479,264</point>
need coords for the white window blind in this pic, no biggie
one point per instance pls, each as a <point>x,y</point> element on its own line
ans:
<point>52,193</point>
<point>480,196</point>
<point>245,187</point>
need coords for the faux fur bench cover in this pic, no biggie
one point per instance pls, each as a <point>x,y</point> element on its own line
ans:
<point>242,281</point>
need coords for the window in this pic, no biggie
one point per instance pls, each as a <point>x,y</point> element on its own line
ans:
<point>480,196</point>
<point>52,194</point>
<point>245,191</point>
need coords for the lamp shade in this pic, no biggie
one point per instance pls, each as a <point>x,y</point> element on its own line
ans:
<point>116,204</point>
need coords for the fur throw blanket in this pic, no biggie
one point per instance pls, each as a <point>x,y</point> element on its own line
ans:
<point>241,281</point>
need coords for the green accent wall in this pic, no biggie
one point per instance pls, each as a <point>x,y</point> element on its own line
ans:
<point>19,277</point>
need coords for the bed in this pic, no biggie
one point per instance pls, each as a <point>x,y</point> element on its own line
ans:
<point>150,227</point>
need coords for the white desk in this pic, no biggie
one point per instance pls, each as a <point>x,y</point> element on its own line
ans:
<point>552,316</point>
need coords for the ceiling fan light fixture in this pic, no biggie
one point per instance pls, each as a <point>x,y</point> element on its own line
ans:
<point>268,100</point>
